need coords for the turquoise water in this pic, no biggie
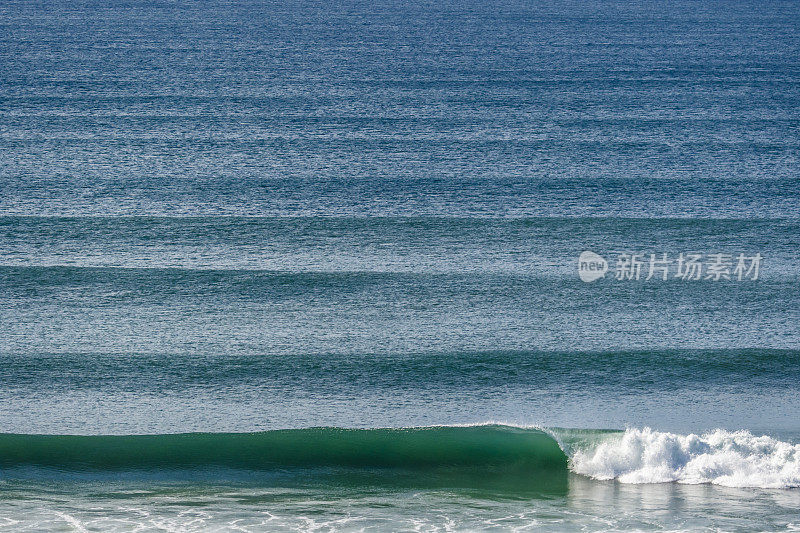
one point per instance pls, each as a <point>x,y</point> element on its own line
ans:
<point>310,266</point>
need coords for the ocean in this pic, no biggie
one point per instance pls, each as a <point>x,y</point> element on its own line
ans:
<point>399,266</point>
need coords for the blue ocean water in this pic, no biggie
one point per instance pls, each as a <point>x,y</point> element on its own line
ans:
<point>307,265</point>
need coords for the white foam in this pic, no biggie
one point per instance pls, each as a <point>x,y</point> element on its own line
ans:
<point>733,459</point>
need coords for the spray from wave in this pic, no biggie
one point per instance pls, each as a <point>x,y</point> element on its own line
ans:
<point>732,459</point>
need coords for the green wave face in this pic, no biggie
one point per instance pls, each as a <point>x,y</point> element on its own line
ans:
<point>494,460</point>
<point>494,448</point>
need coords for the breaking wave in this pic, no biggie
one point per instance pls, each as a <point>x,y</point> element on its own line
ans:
<point>735,459</point>
<point>732,459</point>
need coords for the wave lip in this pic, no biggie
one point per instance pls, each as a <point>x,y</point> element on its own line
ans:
<point>732,459</point>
